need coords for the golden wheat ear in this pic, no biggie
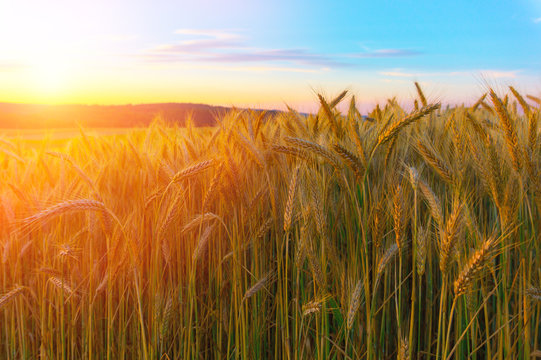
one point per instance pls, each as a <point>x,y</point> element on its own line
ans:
<point>475,265</point>
<point>389,132</point>
<point>10,295</point>
<point>66,207</point>
<point>426,150</point>
<point>450,237</point>
<point>534,293</point>
<point>259,285</point>
<point>510,133</point>
<point>288,211</point>
<point>421,94</point>
<point>316,149</point>
<point>354,304</point>
<point>385,259</point>
<point>192,170</point>
<point>521,101</point>
<point>351,161</point>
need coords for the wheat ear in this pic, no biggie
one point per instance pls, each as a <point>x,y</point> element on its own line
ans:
<point>435,162</point>
<point>354,304</point>
<point>10,295</point>
<point>70,206</point>
<point>433,202</point>
<point>474,266</point>
<point>351,161</point>
<point>391,131</point>
<point>449,237</point>
<point>521,101</point>
<point>510,133</point>
<point>192,170</point>
<point>388,255</point>
<point>260,284</point>
<point>316,149</point>
<point>421,94</point>
<point>290,199</point>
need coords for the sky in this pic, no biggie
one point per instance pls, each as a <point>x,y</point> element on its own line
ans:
<point>265,54</point>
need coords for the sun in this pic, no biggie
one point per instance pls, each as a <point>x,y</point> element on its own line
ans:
<point>50,73</point>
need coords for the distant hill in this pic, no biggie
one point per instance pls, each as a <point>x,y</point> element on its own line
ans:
<point>26,116</point>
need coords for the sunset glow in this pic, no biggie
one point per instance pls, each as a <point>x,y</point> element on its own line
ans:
<point>270,179</point>
<point>262,54</point>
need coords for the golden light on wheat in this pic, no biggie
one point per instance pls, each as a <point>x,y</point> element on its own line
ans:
<point>332,235</point>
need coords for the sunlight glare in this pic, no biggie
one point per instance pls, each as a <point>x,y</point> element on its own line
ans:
<point>51,73</point>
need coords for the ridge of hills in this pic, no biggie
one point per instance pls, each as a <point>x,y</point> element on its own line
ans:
<point>32,116</point>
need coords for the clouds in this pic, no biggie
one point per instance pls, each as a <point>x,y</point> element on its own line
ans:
<point>386,53</point>
<point>205,41</point>
<point>486,73</point>
<point>500,74</point>
<point>10,66</point>
<point>537,20</point>
<point>230,47</point>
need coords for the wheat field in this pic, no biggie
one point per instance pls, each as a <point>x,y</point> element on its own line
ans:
<point>404,234</point>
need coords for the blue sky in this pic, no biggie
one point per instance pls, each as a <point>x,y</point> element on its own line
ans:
<point>264,53</point>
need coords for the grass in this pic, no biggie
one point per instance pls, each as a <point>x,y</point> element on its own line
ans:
<point>330,236</point>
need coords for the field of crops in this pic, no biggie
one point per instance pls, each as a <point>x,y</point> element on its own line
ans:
<point>406,234</point>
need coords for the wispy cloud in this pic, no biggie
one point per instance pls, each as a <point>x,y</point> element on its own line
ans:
<point>227,46</point>
<point>208,40</point>
<point>276,69</point>
<point>500,74</point>
<point>120,38</point>
<point>537,20</point>
<point>488,73</point>
<point>7,66</point>
<point>384,53</point>
<point>403,74</point>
